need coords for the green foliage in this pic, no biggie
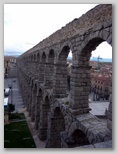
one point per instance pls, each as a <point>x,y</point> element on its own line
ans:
<point>66,103</point>
<point>97,67</point>
<point>11,107</point>
<point>16,116</point>
<point>17,135</point>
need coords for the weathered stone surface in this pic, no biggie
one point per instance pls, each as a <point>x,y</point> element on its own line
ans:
<point>60,115</point>
<point>107,144</point>
<point>86,146</point>
<point>108,23</point>
<point>97,27</point>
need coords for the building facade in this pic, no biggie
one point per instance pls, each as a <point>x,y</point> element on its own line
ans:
<point>10,68</point>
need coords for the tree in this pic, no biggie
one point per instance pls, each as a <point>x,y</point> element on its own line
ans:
<point>11,108</point>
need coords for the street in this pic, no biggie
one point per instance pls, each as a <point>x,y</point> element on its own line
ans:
<point>14,96</point>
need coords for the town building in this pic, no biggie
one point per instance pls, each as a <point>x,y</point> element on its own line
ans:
<point>10,69</point>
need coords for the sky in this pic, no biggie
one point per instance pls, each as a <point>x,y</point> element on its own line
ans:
<point>25,25</point>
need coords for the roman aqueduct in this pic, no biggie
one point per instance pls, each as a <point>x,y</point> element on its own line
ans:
<point>62,121</point>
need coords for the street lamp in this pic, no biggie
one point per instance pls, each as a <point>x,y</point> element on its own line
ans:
<point>11,106</point>
<point>10,87</point>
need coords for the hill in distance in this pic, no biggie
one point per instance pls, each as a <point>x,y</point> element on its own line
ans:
<point>96,59</point>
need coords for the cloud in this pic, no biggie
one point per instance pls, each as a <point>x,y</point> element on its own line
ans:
<point>12,53</point>
<point>17,48</point>
<point>104,50</point>
<point>25,25</point>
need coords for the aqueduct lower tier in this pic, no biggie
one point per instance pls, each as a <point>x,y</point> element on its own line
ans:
<point>62,120</point>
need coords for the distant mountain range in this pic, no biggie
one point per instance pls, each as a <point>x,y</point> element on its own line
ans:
<point>101,60</point>
<point>13,53</point>
<point>96,59</point>
<point>70,58</point>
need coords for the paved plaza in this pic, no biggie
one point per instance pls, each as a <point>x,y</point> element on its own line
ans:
<point>98,108</point>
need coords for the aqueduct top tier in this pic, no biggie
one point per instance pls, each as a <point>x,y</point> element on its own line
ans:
<point>100,14</point>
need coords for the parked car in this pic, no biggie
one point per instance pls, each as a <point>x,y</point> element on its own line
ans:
<point>6,91</point>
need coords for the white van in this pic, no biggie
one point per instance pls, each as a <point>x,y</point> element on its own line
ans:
<point>6,92</point>
<point>6,102</point>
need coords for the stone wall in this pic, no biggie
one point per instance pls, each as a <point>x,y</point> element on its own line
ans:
<point>60,116</point>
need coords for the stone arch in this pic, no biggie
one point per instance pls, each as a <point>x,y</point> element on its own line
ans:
<point>35,65</point>
<point>40,92</point>
<point>85,53</point>
<point>49,69</point>
<point>101,32</point>
<point>31,97</point>
<point>56,126</point>
<point>29,57</point>
<point>43,58</point>
<point>91,44</point>
<point>81,69</point>
<point>66,44</point>
<point>39,97</point>
<point>60,73</point>
<point>31,81</point>
<point>35,86</point>
<point>47,99</point>
<point>38,57</point>
<point>63,55</point>
<point>51,56</point>
<point>95,38</point>
<point>42,67</point>
<point>34,57</point>
<point>44,111</point>
<point>84,34</point>
<point>34,99</point>
<point>77,138</point>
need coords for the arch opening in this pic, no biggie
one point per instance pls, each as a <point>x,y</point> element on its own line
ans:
<point>43,124</point>
<point>69,70</point>
<point>82,71</point>
<point>42,68</point>
<point>37,108</point>
<point>34,91</point>
<point>100,60</point>
<point>51,56</point>
<point>34,57</point>
<point>61,74</point>
<point>43,57</point>
<point>49,70</point>
<point>78,138</point>
<point>38,57</point>
<point>57,125</point>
